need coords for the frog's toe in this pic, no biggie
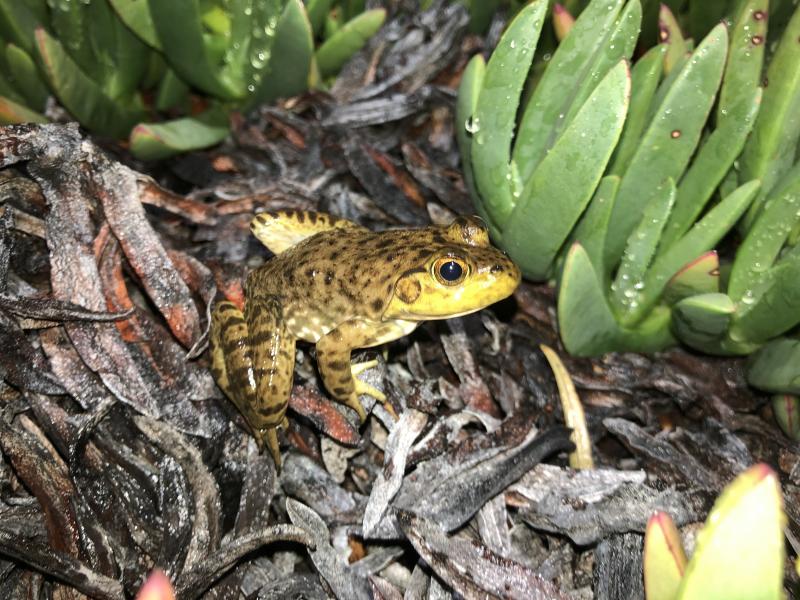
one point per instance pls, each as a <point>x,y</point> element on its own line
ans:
<point>358,368</point>
<point>365,388</point>
<point>269,437</point>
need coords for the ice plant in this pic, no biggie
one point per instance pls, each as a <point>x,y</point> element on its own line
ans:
<point>739,553</point>
<point>98,57</point>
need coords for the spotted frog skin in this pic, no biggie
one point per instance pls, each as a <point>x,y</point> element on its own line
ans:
<point>341,286</point>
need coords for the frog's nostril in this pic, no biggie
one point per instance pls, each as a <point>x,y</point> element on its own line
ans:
<point>497,269</point>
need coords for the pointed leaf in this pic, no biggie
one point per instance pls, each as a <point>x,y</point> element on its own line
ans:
<point>585,321</point>
<point>26,76</point>
<point>348,40</point>
<point>671,138</point>
<point>468,92</point>
<point>669,34</point>
<point>292,52</point>
<point>740,553</point>
<point>786,409</point>
<point>136,15</point>
<point>591,229</point>
<point>664,558</point>
<point>568,70</point>
<point>645,76</point>
<point>495,114</point>
<point>766,238</point>
<point>776,367</point>
<point>12,113</point>
<point>770,150</point>
<point>702,237</point>
<point>701,321</point>
<point>80,95</point>
<point>317,11</point>
<point>563,183</point>
<point>17,23</point>
<point>775,305</point>
<point>639,251</point>
<point>150,141</point>
<point>562,21</point>
<point>710,165</point>
<point>745,61</point>
<point>700,276</point>
<point>179,27</point>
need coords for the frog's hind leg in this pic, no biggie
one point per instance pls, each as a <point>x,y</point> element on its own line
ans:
<point>273,350</point>
<point>238,369</point>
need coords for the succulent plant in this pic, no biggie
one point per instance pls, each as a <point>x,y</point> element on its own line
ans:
<point>601,194</point>
<point>98,56</point>
<point>619,184</point>
<point>740,551</point>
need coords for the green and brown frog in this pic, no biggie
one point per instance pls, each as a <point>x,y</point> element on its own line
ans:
<point>341,286</point>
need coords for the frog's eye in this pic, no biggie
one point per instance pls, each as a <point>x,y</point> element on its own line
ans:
<point>449,270</point>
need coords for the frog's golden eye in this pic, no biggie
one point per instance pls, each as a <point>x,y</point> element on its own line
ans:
<point>450,270</point>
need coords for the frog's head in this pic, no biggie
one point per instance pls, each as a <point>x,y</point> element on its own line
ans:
<point>462,273</point>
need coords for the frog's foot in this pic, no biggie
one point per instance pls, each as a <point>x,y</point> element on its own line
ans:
<point>365,388</point>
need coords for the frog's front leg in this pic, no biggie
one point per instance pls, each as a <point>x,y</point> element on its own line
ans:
<point>333,359</point>
<point>252,358</point>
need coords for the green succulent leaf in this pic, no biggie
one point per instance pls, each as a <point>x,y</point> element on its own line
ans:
<point>468,92</point>
<point>776,367</point>
<point>293,50</point>
<point>26,77</point>
<point>12,113</point>
<point>494,117</point>
<point>699,239</point>
<point>619,45</point>
<point>481,13</point>
<point>593,226</point>
<point>179,26</point>
<point>645,75</point>
<point>671,36</point>
<point>770,150</point>
<point>136,15</point>
<point>670,140</point>
<point>664,558</point>
<point>639,252</point>
<point>786,409</point>
<point>317,12</point>
<point>774,307</point>
<point>569,72</point>
<point>172,91</point>
<point>563,183</point>
<point>150,141</point>
<point>710,165</point>
<point>586,322</point>
<point>700,276</point>
<point>17,22</point>
<point>348,40</point>
<point>123,56</point>
<point>745,61</point>
<point>68,20</point>
<point>740,554</point>
<point>80,95</point>
<point>702,319</point>
<point>764,242</point>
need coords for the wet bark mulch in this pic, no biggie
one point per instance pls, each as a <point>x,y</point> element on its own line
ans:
<point>119,453</point>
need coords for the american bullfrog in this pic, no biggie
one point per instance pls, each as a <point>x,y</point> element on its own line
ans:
<point>341,286</point>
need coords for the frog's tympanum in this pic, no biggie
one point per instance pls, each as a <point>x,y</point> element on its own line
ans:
<point>341,286</point>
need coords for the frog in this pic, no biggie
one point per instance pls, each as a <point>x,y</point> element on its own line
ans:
<point>341,286</point>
